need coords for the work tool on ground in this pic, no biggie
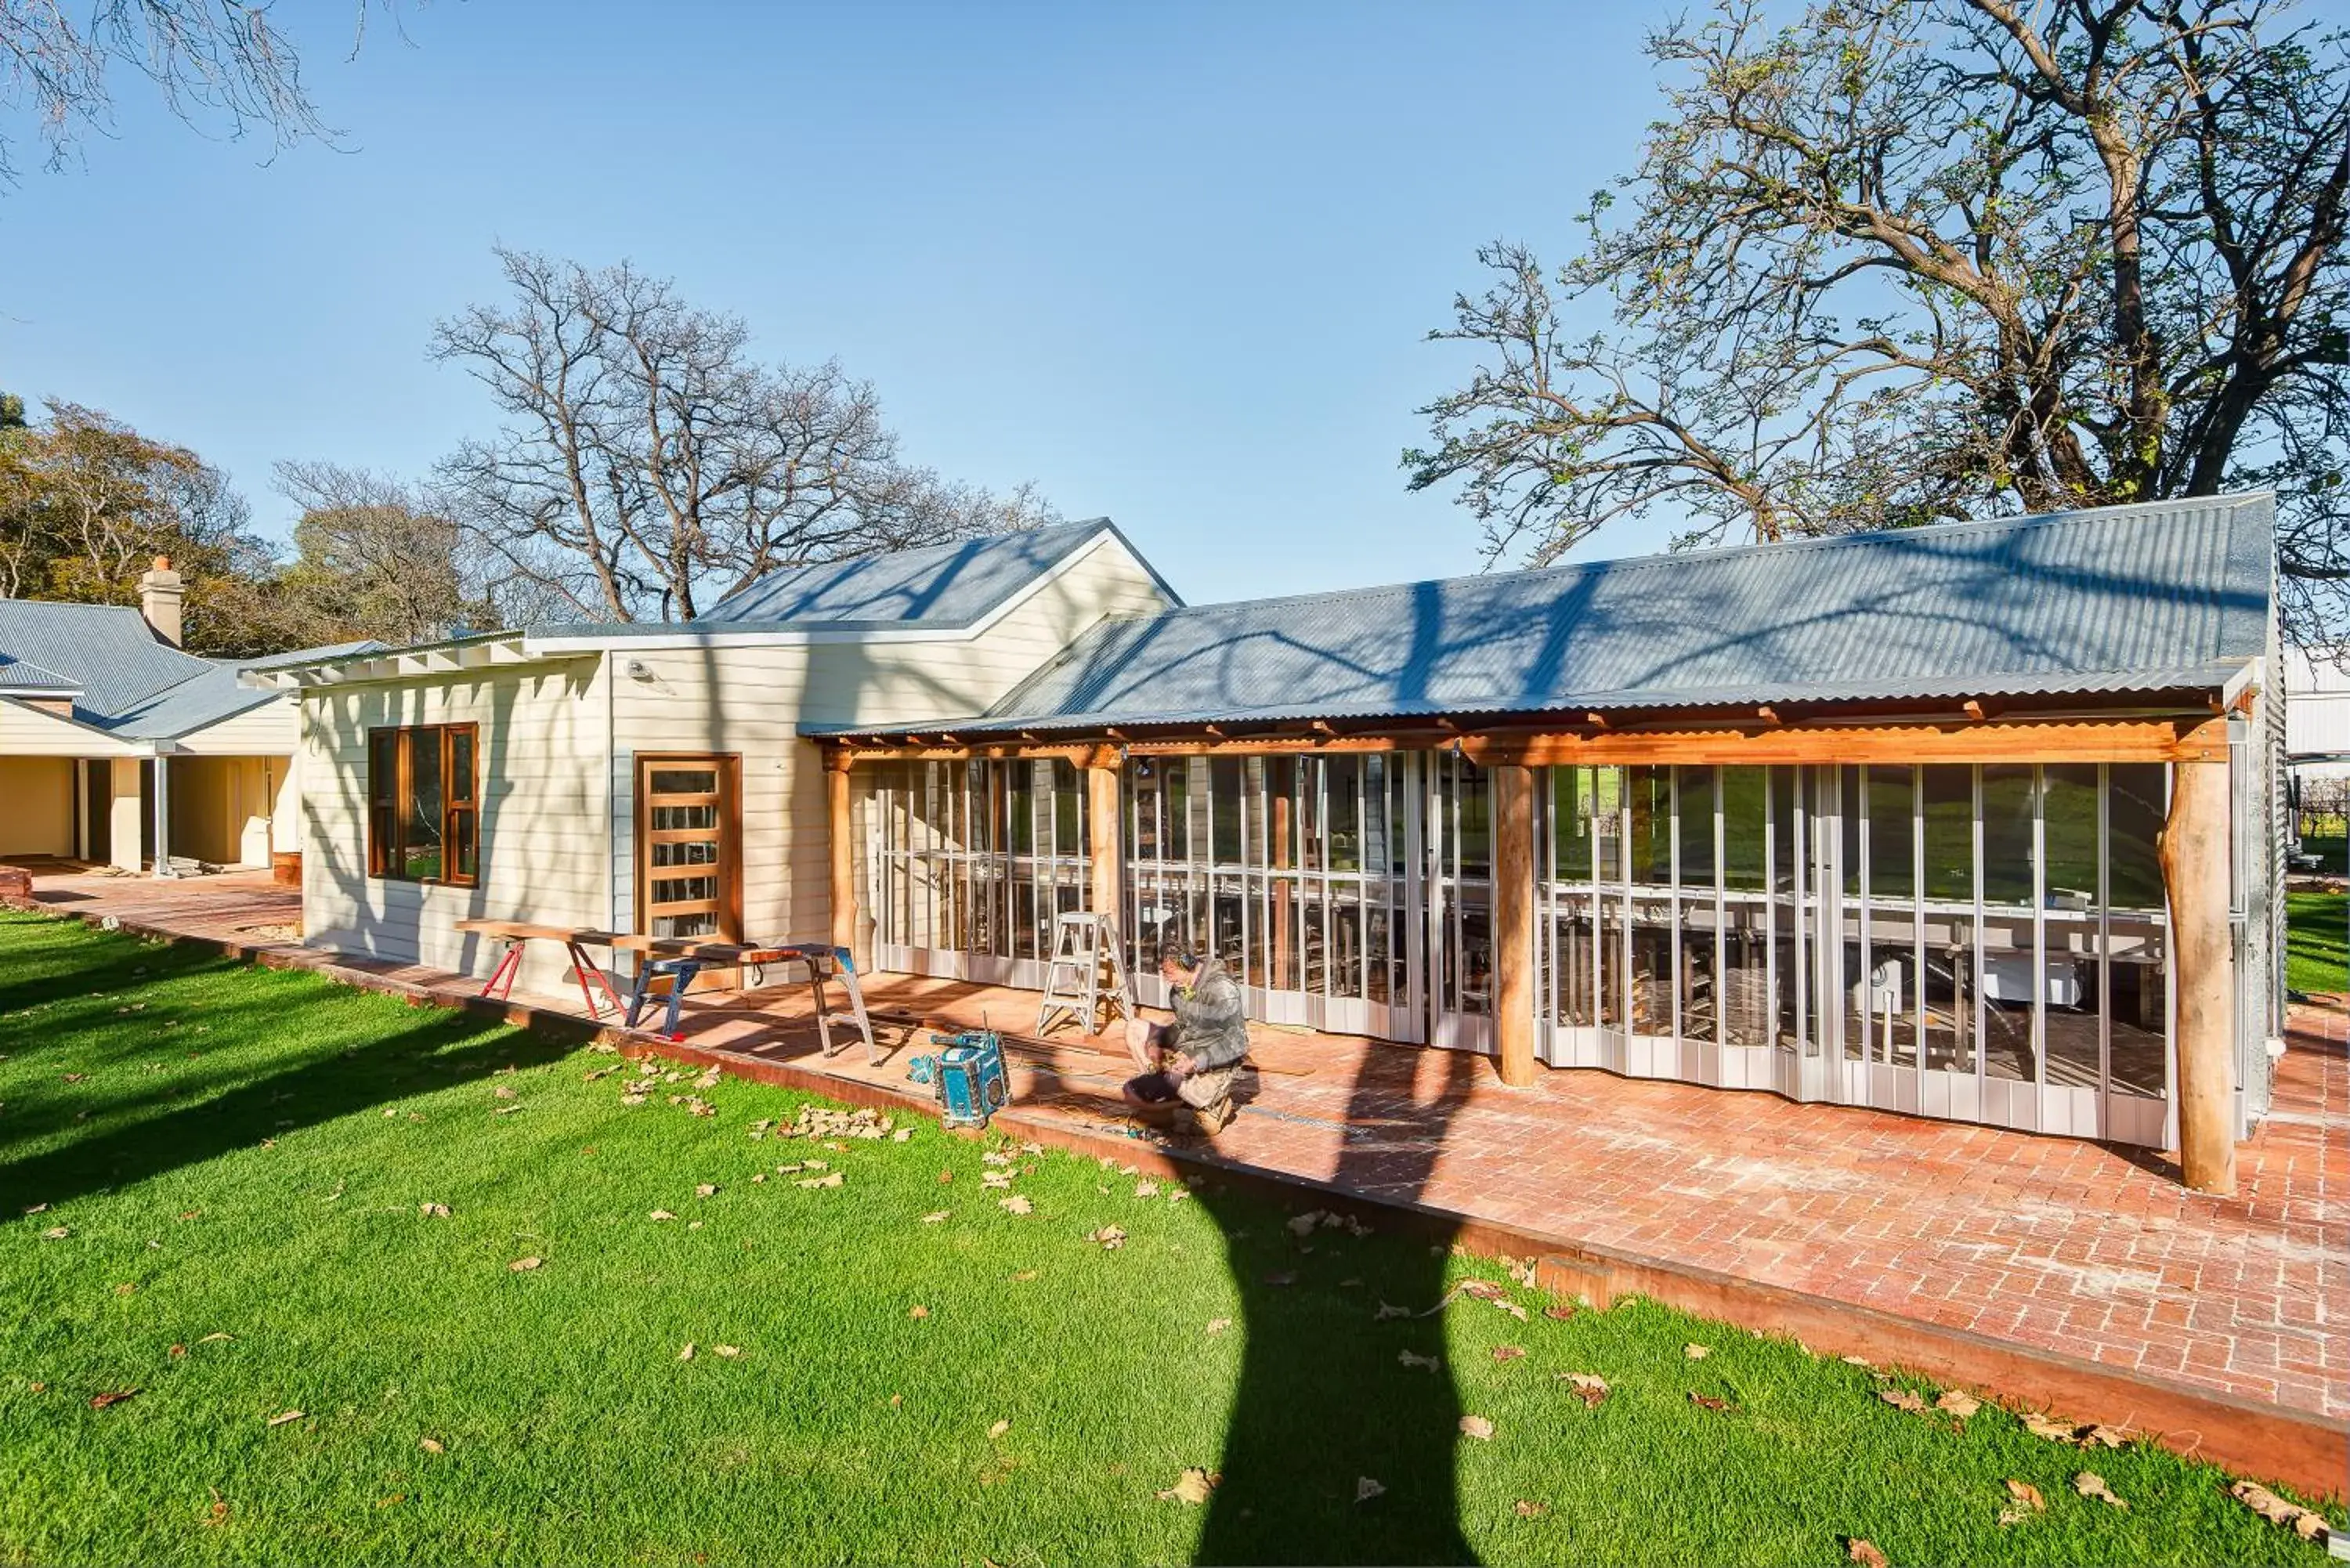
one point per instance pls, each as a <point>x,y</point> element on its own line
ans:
<point>967,1078</point>
<point>1085,944</point>
<point>671,963</point>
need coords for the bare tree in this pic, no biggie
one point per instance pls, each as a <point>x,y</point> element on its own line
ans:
<point>1909,260</point>
<point>216,62</point>
<point>374,559</point>
<point>648,466</point>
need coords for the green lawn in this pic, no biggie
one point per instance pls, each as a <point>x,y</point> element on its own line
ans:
<point>2316,939</point>
<point>238,1161</point>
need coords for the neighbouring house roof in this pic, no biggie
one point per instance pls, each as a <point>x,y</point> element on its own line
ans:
<point>2154,598</point>
<point>122,678</point>
<point>20,679</point>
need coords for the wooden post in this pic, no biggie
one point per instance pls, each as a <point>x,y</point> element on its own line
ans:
<point>1105,841</point>
<point>1514,921</point>
<point>2195,875</point>
<point>842,844</point>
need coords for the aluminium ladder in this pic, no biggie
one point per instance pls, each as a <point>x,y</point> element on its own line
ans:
<point>1083,942</point>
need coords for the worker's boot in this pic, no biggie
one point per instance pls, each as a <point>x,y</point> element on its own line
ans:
<point>1215,1118</point>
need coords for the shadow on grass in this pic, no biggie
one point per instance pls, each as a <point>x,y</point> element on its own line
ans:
<point>440,1049</point>
<point>1322,1405</point>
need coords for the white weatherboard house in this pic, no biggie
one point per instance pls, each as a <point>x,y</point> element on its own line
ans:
<point>1977,820</point>
<point>652,777</point>
<point>118,747</point>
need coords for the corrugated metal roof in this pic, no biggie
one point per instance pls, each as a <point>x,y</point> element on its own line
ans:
<point>2134,598</point>
<point>17,675</point>
<point>940,586</point>
<point>125,680</point>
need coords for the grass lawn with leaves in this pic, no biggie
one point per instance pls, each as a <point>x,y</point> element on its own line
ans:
<point>376,1283</point>
<point>2317,941</point>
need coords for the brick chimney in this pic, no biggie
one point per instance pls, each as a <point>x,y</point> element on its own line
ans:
<point>160,592</point>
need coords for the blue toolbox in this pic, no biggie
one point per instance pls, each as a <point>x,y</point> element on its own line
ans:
<point>967,1078</point>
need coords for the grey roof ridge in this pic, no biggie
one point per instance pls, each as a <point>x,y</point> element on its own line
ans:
<point>42,678</point>
<point>1973,527</point>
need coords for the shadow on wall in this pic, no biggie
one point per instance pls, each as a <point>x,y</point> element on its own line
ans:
<point>1322,1408</point>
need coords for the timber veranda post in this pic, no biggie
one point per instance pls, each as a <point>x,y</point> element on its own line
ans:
<point>1103,839</point>
<point>2195,877</point>
<point>1513,921</point>
<point>841,845</point>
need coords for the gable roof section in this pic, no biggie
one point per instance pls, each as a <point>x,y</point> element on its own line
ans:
<point>948,587</point>
<point>2160,597</point>
<point>121,678</point>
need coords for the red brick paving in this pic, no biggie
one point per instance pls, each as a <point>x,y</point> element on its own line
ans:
<point>2088,1249</point>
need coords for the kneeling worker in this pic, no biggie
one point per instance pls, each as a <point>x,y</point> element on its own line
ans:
<point>1192,1061</point>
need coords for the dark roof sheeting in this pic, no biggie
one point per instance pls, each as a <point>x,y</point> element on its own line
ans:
<point>948,587</point>
<point>2154,598</point>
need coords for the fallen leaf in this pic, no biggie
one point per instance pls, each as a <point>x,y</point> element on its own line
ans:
<point>1386,1311</point>
<point>1016,1204</point>
<point>998,1430</point>
<point>816,1165</point>
<point>126,1288</point>
<point>525,1266</point>
<point>1512,1308</point>
<point>896,1400</point>
<point>1901,1400</point>
<point>2089,1483</point>
<point>1589,1386</point>
<point>1857,1361</point>
<point>2028,1495</point>
<point>1110,1237</point>
<point>1302,1226</point>
<point>2309,1526</point>
<point>2105,1436</point>
<point>994,1156</point>
<point>1707,1401</point>
<point>1193,1487</point>
<point>398,1497</point>
<point>1558,1314</point>
<point>2040,1426</point>
<point>1367,1489</point>
<point>44,1208</point>
<point>945,1177</point>
<point>1281,1278</point>
<point>705,1189</point>
<point>1696,1352</point>
<point>502,1093</point>
<point>1406,1358</point>
<point>901,1135</point>
<point>178,1350</point>
<point>429,1445</point>
<point>1218,1325</point>
<point>1145,1190</point>
<point>728,1351</point>
<point>433,1211</point>
<point>687,1354</point>
<point>1958,1403</point>
<point>832,1179</point>
<point>1508,1352</point>
<point>1526,1508</point>
<point>758,1176</point>
<point>918,1310</point>
<point>936,1216</point>
<point>215,1338</point>
<point>100,1401</point>
<point>660,1214</point>
<point>1477,1427</point>
<point>282,1417</point>
<point>1863,1552</point>
<point>57,1232</point>
<point>1023,1276</point>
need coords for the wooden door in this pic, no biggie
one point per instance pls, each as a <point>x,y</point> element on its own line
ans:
<point>689,830</point>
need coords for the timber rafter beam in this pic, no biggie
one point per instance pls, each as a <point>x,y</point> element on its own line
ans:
<point>1953,735</point>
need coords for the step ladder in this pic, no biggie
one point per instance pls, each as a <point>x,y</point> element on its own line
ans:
<point>1084,943</point>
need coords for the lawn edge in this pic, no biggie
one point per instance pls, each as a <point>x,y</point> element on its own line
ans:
<point>2303,1451</point>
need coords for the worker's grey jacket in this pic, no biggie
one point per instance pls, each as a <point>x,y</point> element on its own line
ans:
<point>1209,1024</point>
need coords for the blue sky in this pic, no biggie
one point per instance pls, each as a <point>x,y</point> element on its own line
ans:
<point>1176,263</point>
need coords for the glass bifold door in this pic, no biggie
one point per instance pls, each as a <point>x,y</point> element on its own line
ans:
<point>1984,943</point>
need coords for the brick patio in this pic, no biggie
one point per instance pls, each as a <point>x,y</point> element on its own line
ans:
<point>2074,1248</point>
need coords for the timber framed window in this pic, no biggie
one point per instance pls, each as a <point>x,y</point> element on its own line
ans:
<point>423,804</point>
